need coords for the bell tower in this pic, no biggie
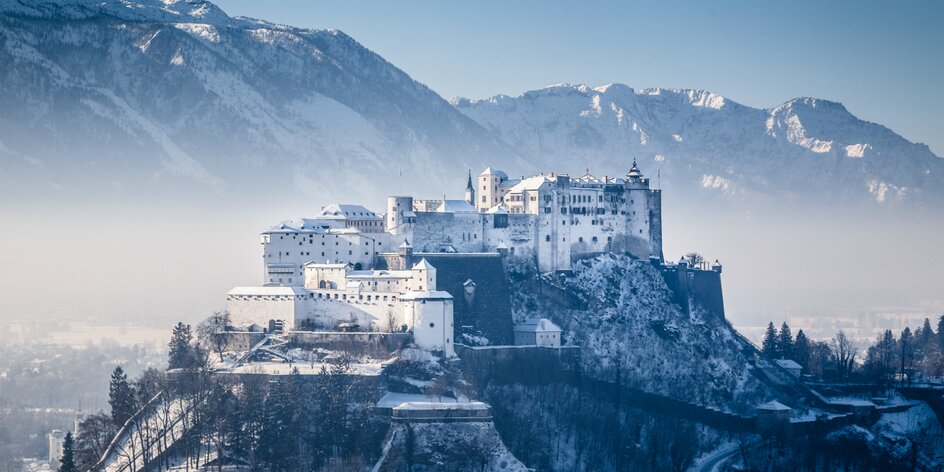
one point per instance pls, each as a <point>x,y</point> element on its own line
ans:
<point>470,190</point>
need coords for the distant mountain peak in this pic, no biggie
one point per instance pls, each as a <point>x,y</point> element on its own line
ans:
<point>702,140</point>
<point>133,10</point>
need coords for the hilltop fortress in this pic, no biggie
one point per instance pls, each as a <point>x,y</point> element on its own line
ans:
<point>351,267</point>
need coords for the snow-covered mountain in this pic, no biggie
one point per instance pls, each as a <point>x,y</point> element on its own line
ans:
<point>701,142</point>
<point>123,97</point>
<point>138,94</point>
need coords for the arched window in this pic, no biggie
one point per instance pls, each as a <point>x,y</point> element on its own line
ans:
<point>322,284</point>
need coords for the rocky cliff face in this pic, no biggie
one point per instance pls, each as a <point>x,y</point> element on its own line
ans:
<point>622,315</point>
<point>141,95</point>
<point>421,447</point>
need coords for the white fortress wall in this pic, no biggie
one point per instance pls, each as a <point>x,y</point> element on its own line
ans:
<point>434,231</point>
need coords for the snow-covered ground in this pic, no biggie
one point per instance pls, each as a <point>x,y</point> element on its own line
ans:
<point>632,328</point>
<point>450,446</point>
<point>128,453</point>
<point>918,424</point>
<point>284,368</point>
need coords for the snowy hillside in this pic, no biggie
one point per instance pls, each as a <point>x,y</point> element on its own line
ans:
<point>622,316</point>
<point>138,95</point>
<point>703,143</point>
<point>448,447</point>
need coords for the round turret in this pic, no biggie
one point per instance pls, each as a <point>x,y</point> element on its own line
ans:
<point>400,216</point>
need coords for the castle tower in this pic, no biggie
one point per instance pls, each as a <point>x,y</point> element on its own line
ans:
<point>405,251</point>
<point>654,203</point>
<point>424,276</point>
<point>489,180</point>
<point>400,216</point>
<point>470,190</point>
<point>430,317</point>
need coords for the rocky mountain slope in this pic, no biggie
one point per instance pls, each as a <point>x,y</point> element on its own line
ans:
<point>703,143</point>
<point>620,312</point>
<point>154,94</point>
<point>121,97</point>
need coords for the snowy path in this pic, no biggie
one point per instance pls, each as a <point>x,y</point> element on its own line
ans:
<point>713,462</point>
<point>128,451</point>
<point>386,450</point>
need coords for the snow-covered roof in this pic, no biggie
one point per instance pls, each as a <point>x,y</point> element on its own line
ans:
<point>423,264</point>
<point>302,225</point>
<point>338,211</point>
<point>773,405</point>
<point>455,206</point>
<point>405,244</point>
<point>268,290</point>
<point>394,399</point>
<point>327,265</point>
<point>497,210</point>
<point>490,171</point>
<point>788,364</point>
<point>441,406</point>
<point>542,325</point>
<point>852,402</point>
<point>531,183</point>
<point>426,295</point>
<point>379,274</point>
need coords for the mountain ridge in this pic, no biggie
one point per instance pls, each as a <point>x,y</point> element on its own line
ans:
<point>177,97</point>
<point>698,130</point>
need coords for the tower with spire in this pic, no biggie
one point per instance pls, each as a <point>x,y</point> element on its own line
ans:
<point>470,190</point>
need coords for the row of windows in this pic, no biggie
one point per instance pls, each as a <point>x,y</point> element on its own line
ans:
<point>308,253</point>
<point>585,210</point>
<point>343,296</point>
<point>609,239</point>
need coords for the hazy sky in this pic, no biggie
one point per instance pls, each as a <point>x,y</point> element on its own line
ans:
<point>883,60</point>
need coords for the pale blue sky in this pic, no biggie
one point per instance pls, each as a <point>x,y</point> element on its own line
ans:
<point>883,60</point>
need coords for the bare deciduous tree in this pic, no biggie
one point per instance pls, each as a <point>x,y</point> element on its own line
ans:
<point>212,332</point>
<point>846,351</point>
<point>695,260</point>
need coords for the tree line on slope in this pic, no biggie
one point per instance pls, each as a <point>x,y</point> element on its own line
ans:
<point>293,424</point>
<point>912,356</point>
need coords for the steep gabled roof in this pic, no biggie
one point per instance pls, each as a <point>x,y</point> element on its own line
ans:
<point>338,211</point>
<point>490,171</point>
<point>423,265</point>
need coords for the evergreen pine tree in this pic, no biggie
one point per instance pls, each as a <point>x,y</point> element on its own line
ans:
<point>906,352</point>
<point>785,342</point>
<point>120,397</point>
<point>940,333</point>
<point>180,355</point>
<point>801,349</point>
<point>925,334</point>
<point>67,462</point>
<point>769,346</point>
